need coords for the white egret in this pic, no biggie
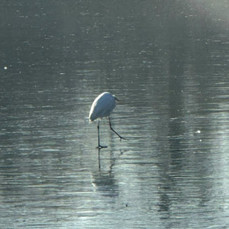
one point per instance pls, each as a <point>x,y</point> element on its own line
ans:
<point>102,107</point>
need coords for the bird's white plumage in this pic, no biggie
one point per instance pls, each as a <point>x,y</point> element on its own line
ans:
<point>102,106</point>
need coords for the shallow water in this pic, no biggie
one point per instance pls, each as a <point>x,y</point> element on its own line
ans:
<point>169,70</point>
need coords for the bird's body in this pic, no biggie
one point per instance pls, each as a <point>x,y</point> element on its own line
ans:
<point>102,107</point>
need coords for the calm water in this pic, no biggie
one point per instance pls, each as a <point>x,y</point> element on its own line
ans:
<point>167,62</point>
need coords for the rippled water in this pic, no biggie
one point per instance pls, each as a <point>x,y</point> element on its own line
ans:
<point>169,70</point>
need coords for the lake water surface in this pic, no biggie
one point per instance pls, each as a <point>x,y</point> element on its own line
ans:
<point>167,62</point>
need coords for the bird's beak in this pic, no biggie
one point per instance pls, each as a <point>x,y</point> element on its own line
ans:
<point>117,99</point>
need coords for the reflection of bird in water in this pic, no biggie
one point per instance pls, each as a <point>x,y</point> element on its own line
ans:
<point>104,181</point>
<point>102,106</point>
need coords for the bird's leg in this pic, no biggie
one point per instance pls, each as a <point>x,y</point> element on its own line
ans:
<point>99,146</point>
<point>98,134</point>
<point>114,130</point>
